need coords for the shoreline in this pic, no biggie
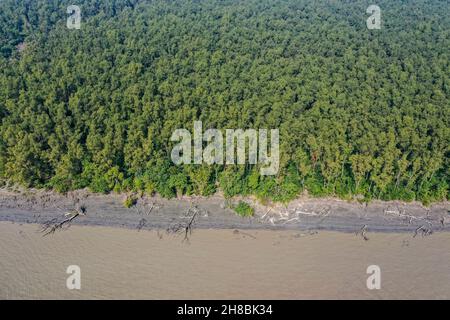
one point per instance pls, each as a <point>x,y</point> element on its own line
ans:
<point>156,213</point>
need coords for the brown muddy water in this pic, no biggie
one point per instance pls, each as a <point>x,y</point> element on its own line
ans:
<point>220,264</point>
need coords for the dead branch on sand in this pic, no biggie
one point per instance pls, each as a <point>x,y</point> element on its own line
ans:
<point>324,213</point>
<point>146,209</point>
<point>142,224</point>
<point>50,226</point>
<point>282,217</point>
<point>408,217</point>
<point>363,231</point>
<point>423,230</point>
<point>185,227</point>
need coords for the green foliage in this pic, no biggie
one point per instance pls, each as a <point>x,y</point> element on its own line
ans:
<point>130,201</point>
<point>244,209</point>
<point>232,182</point>
<point>362,113</point>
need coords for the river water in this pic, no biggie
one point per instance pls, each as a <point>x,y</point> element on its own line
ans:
<point>220,264</point>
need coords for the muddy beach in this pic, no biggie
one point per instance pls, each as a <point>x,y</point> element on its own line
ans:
<point>119,263</point>
<point>198,248</point>
<point>39,207</point>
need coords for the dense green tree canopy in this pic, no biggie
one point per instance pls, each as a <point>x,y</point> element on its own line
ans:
<point>360,112</point>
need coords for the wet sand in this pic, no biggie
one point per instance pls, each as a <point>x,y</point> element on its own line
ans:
<point>39,206</point>
<point>220,264</point>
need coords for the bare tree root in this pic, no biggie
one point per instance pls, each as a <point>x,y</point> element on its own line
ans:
<point>362,232</point>
<point>142,224</point>
<point>423,230</point>
<point>324,213</point>
<point>185,227</point>
<point>408,217</point>
<point>146,209</point>
<point>50,226</point>
<point>294,215</point>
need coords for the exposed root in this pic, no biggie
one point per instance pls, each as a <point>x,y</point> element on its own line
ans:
<point>423,230</point>
<point>290,220</point>
<point>142,224</point>
<point>409,218</point>
<point>50,226</point>
<point>324,214</point>
<point>146,209</point>
<point>362,232</point>
<point>287,216</point>
<point>186,227</point>
<point>267,212</point>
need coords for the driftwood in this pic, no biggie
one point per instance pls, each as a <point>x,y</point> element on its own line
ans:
<point>50,226</point>
<point>408,217</point>
<point>294,215</point>
<point>142,224</point>
<point>324,214</point>
<point>144,209</point>
<point>362,232</point>
<point>423,230</point>
<point>185,227</point>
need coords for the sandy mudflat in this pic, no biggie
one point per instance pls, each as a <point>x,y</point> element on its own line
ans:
<point>35,206</point>
<point>283,252</point>
<point>251,264</point>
